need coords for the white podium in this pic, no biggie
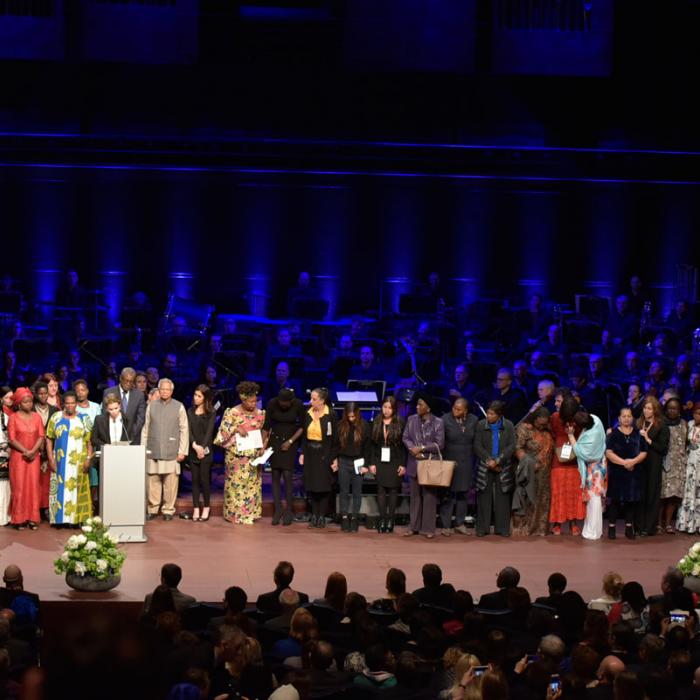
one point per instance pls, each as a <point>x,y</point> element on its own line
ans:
<point>123,491</point>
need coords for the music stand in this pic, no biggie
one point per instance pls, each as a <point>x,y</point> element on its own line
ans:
<point>378,386</point>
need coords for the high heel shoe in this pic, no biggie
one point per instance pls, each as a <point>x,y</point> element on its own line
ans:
<point>205,515</point>
<point>287,519</point>
<point>195,515</point>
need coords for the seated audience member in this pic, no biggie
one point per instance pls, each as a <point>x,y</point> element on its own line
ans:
<point>289,602</point>
<point>281,349</point>
<point>25,605</point>
<point>283,576</point>
<point>161,601</point>
<point>170,576</point>
<point>503,390</point>
<point>523,381</point>
<point>367,369</point>
<point>378,676</point>
<point>395,588</point>
<point>434,591</point>
<point>674,594</point>
<point>235,601</point>
<point>325,676</point>
<point>283,380</point>
<point>508,579</point>
<point>612,588</point>
<point>461,387</point>
<point>556,584</point>
<point>302,629</point>
<point>19,650</point>
<point>335,594</point>
<point>622,324</point>
<point>240,671</point>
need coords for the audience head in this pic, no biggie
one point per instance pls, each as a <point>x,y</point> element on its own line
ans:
<point>336,590</point>
<point>355,603</point>
<point>508,577</point>
<point>12,578</point>
<point>321,655</point>
<point>283,574</point>
<point>289,600</point>
<point>612,584</point>
<point>432,575</point>
<point>552,649</point>
<point>161,601</point>
<point>395,582</point>
<point>235,599</point>
<point>171,575</point>
<point>609,668</point>
<point>303,626</point>
<point>556,583</point>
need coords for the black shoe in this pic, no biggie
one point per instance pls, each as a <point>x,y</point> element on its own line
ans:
<point>32,525</point>
<point>381,525</point>
<point>185,516</point>
<point>276,518</point>
<point>151,516</point>
<point>612,532</point>
<point>354,524</point>
<point>629,532</point>
<point>345,523</point>
<point>312,521</point>
<point>287,520</point>
<point>321,521</point>
<point>167,516</point>
<point>389,525</point>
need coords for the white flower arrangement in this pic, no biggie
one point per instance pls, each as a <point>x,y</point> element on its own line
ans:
<point>690,563</point>
<point>94,552</point>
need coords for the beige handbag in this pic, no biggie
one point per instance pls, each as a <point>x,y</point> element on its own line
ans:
<point>435,472</point>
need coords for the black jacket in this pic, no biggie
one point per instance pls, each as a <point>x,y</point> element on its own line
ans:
<point>482,449</point>
<point>100,432</point>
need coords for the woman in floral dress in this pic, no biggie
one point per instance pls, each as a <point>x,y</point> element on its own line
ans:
<point>533,437</point>
<point>673,477</point>
<point>243,488</point>
<point>689,512</point>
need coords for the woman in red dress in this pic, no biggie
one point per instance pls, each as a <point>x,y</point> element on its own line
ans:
<point>567,496</point>
<point>26,433</point>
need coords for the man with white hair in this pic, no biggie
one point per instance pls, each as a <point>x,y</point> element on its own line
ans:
<point>166,435</point>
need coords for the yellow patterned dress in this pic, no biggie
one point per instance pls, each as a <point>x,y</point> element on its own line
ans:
<point>243,488</point>
<point>69,490</point>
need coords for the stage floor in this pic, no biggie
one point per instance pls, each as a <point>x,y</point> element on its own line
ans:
<point>216,554</point>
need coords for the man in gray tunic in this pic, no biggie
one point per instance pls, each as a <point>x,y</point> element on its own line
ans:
<point>166,435</point>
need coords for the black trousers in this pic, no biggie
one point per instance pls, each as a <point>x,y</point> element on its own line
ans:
<point>349,481</point>
<point>277,475</point>
<point>616,506</point>
<point>393,497</point>
<point>453,501</point>
<point>319,503</point>
<point>492,499</point>
<point>201,480</point>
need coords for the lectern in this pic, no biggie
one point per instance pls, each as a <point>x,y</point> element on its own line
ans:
<point>123,491</point>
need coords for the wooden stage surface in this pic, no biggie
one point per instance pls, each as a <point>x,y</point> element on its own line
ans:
<point>216,554</point>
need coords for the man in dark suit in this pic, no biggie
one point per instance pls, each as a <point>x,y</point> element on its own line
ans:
<point>170,576</point>
<point>283,576</point>
<point>508,578</point>
<point>434,591</point>
<point>556,584</point>
<point>133,402</point>
<point>289,602</point>
<point>111,427</point>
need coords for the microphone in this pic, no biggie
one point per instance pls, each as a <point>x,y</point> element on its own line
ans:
<point>193,344</point>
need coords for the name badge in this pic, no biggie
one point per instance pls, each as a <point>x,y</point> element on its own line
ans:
<point>386,454</point>
<point>329,429</point>
<point>566,451</point>
<point>358,463</point>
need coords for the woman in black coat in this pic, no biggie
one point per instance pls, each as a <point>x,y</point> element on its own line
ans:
<point>494,446</point>
<point>655,432</point>
<point>319,449</point>
<point>388,463</point>
<point>460,429</point>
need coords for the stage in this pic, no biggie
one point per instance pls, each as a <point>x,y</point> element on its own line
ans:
<point>216,554</point>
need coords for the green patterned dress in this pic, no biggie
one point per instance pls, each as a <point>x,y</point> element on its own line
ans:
<point>69,491</point>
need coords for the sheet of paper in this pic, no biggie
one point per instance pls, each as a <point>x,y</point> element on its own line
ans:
<point>358,464</point>
<point>252,441</point>
<point>386,454</point>
<point>263,457</point>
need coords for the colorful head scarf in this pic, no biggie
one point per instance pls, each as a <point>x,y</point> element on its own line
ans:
<point>20,394</point>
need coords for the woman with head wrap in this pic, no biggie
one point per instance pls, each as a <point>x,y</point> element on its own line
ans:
<point>25,431</point>
<point>243,488</point>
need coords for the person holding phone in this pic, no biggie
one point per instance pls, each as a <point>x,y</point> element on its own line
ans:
<point>655,433</point>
